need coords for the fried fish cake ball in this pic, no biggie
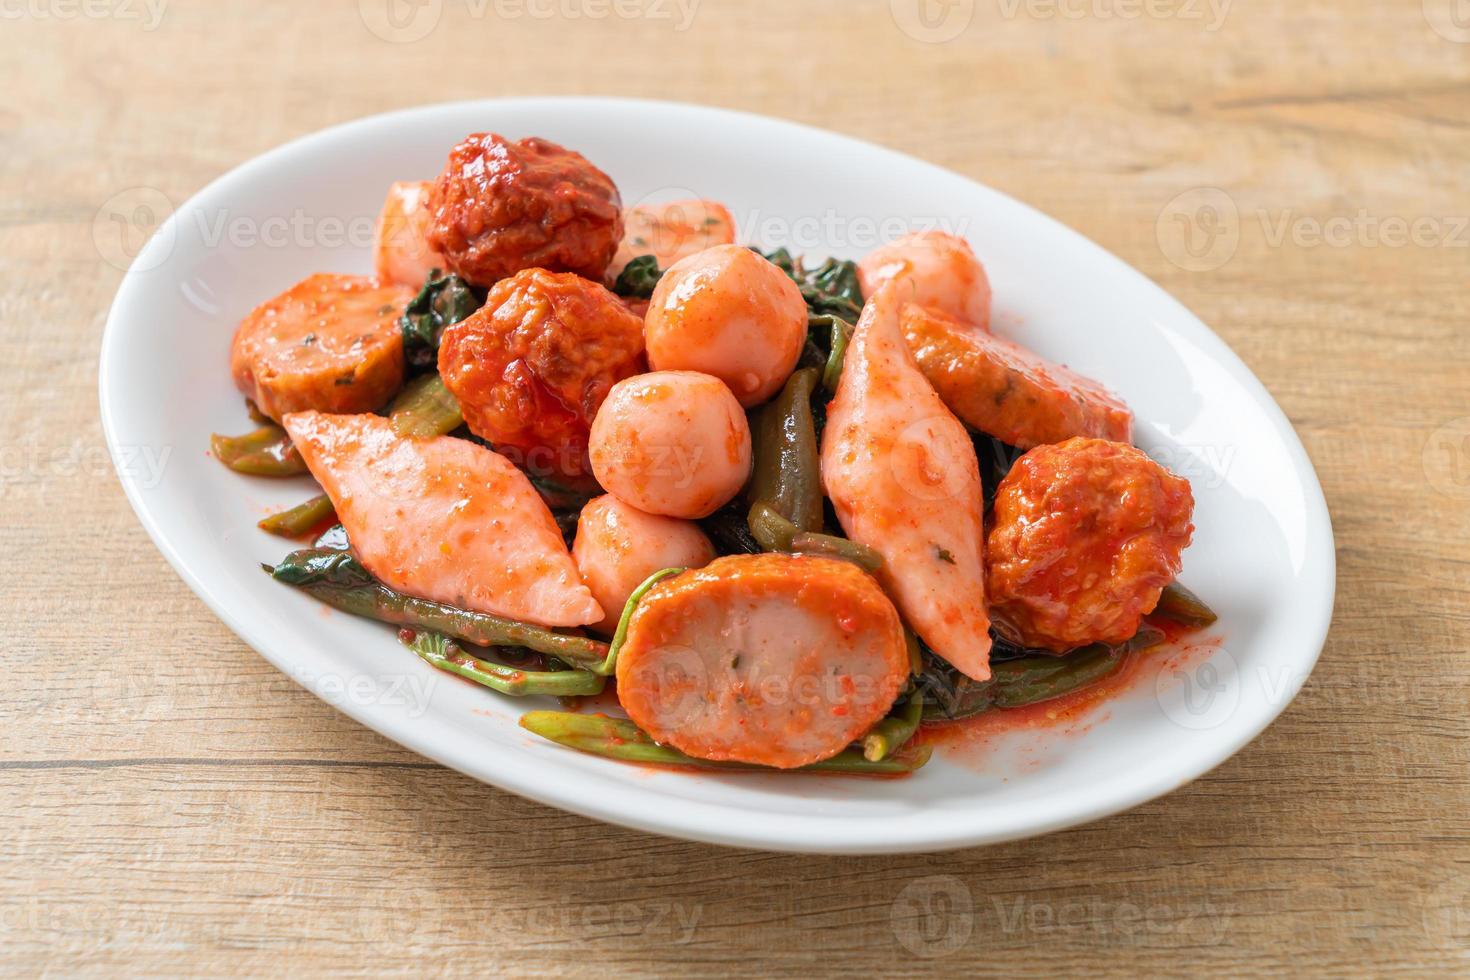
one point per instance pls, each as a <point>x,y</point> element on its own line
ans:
<point>531,367</point>
<point>1087,533</point>
<point>501,206</point>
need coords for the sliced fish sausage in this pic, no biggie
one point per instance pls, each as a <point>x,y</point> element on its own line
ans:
<point>778,660</point>
<point>330,343</point>
<point>1004,390</point>
<point>402,252</point>
<point>671,231</point>
<point>902,475</point>
<point>444,519</point>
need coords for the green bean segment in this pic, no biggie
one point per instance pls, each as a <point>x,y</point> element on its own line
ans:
<point>442,652</point>
<point>302,518</point>
<point>267,451</point>
<point>895,731</point>
<point>776,533</point>
<point>787,469</point>
<point>1183,606</point>
<point>616,738</point>
<point>425,407</point>
<point>339,580</point>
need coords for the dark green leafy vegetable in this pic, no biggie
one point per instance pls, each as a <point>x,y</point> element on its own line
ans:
<point>729,529</point>
<point>265,452</point>
<point>298,520</point>
<point>322,568</point>
<point>442,652</point>
<point>333,538</point>
<point>338,579</point>
<point>425,408</point>
<point>832,288</point>
<point>1022,680</point>
<point>786,473</point>
<point>638,278</point>
<point>443,300</point>
<point>616,738</point>
<point>1183,606</point>
<point>894,732</point>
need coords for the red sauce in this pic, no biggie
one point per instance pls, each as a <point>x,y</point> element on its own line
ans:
<point>974,742</point>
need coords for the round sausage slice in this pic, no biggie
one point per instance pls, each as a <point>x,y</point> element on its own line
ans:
<point>778,660</point>
<point>330,343</point>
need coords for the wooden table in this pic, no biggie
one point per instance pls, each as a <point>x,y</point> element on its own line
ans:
<point>173,804</point>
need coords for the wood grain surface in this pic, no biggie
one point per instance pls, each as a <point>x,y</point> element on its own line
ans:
<point>171,804</point>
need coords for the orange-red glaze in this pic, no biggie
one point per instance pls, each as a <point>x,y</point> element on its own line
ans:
<point>773,659</point>
<point>501,206</point>
<point>675,443</point>
<point>1087,533</point>
<point>933,269</point>
<point>1004,390</point>
<point>330,343</point>
<point>532,366</point>
<point>444,519</point>
<point>671,231</point>
<point>902,475</point>
<point>402,253</point>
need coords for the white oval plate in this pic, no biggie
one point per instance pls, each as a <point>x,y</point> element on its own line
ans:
<point>1262,555</point>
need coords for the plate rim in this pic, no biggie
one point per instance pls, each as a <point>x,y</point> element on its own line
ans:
<point>689,824</point>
